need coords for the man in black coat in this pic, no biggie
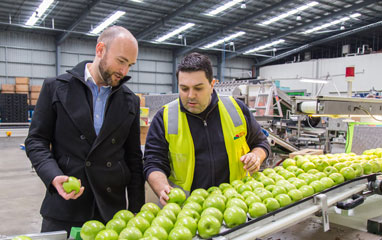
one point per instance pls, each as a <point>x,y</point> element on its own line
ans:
<point>86,125</point>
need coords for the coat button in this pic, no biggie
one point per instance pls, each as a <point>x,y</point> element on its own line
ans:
<point>88,163</point>
<point>82,137</point>
<point>108,164</point>
<point>113,141</point>
<point>108,189</point>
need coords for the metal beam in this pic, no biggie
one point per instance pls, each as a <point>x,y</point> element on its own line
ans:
<point>166,19</point>
<point>300,28</point>
<point>60,39</point>
<point>215,35</point>
<point>321,41</point>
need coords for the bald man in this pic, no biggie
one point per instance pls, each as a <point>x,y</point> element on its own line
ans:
<point>86,125</point>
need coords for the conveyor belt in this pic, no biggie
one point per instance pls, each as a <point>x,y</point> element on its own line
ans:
<point>282,143</point>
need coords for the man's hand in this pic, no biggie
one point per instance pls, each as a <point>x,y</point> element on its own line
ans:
<point>251,162</point>
<point>57,183</point>
<point>163,195</point>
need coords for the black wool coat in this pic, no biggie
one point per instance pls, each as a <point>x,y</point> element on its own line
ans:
<point>62,141</point>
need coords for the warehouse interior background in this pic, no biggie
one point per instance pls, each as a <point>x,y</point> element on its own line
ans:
<point>287,47</point>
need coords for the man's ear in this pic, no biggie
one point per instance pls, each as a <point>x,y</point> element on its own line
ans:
<point>213,82</point>
<point>100,49</point>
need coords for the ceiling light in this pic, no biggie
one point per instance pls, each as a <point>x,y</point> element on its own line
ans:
<point>223,7</point>
<point>265,46</point>
<point>313,80</point>
<point>226,39</point>
<point>298,18</point>
<point>243,5</point>
<point>342,27</point>
<point>287,14</point>
<point>138,1</point>
<point>175,32</point>
<point>335,22</point>
<point>39,12</point>
<point>107,22</point>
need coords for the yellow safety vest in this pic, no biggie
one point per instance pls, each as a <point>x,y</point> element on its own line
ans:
<point>181,145</point>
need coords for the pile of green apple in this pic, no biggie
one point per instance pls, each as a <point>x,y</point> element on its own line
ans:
<point>206,212</point>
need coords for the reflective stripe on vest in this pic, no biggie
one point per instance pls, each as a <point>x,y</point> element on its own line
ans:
<point>181,145</point>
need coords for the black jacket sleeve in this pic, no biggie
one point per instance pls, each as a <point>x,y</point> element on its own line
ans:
<point>156,148</point>
<point>41,131</point>
<point>135,189</point>
<point>255,137</point>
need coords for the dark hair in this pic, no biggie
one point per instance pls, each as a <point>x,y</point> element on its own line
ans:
<point>194,62</point>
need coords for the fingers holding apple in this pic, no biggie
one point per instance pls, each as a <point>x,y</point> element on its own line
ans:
<point>163,195</point>
<point>251,162</point>
<point>68,187</point>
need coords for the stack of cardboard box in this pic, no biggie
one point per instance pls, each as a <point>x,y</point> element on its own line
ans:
<point>35,93</point>
<point>7,88</point>
<point>22,85</point>
<point>144,118</point>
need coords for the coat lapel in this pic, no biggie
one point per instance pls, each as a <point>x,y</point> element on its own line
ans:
<point>72,97</point>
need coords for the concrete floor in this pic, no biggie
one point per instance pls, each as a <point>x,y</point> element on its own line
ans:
<point>21,193</point>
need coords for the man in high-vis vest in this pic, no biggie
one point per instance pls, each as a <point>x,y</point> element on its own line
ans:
<point>201,139</point>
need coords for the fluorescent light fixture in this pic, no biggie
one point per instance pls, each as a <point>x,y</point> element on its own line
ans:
<point>223,7</point>
<point>335,22</point>
<point>138,1</point>
<point>39,12</point>
<point>107,22</point>
<point>287,14</point>
<point>175,32</point>
<point>226,39</point>
<point>313,80</point>
<point>256,49</point>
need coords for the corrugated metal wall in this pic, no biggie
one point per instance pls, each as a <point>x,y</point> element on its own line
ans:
<point>33,55</point>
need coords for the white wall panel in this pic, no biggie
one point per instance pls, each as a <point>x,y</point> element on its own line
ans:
<point>144,65</point>
<point>39,71</point>
<point>164,67</point>
<point>164,78</point>
<point>163,89</point>
<point>2,53</point>
<point>146,77</point>
<point>20,70</point>
<point>19,55</point>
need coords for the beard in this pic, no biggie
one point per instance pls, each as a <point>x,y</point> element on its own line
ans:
<point>105,74</point>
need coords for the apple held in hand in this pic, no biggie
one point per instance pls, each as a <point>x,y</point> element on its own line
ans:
<point>156,231</point>
<point>176,195</point>
<point>257,209</point>
<point>73,184</point>
<point>130,233</point>
<point>90,229</point>
<point>107,234</point>
<point>189,223</point>
<point>234,216</point>
<point>208,226</point>
<point>180,233</point>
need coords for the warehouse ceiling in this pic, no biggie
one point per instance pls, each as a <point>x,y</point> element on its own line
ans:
<point>323,25</point>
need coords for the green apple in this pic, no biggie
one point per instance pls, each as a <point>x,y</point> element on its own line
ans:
<point>107,234</point>
<point>212,189</point>
<point>268,171</point>
<point>130,233</point>
<point>332,161</point>
<point>149,238</point>
<point>348,173</point>
<point>267,181</point>
<point>282,182</point>
<point>296,195</point>
<point>194,198</point>
<point>236,182</point>
<point>237,202</point>
<point>307,166</point>
<point>124,214</point>
<point>276,177</point>
<point>168,213</point>
<point>139,222</point>
<point>278,168</point>
<point>313,171</point>
<point>213,212</point>
<point>278,190</point>
<point>251,199</point>
<point>164,222</point>
<point>176,195</point>
<point>258,175</point>
<point>271,204</point>
<point>317,186</point>
<point>208,226</point>
<point>224,186</point>
<point>230,193</point>
<point>193,205</point>
<point>307,190</point>
<point>327,182</point>
<point>358,169</point>
<point>320,175</point>
<point>283,199</point>
<point>289,162</point>
<point>263,193</point>
<point>156,231</point>
<point>247,179</point>
<point>190,213</point>
<point>270,187</point>
<point>292,180</point>
<point>116,224</point>
<point>247,194</point>
<point>214,201</point>
<point>149,216</point>
<point>295,170</point>
<point>72,184</point>
<point>255,184</point>
<point>374,166</point>
<point>308,178</point>
<point>287,174</point>
<point>257,209</point>
<point>244,187</point>
<point>188,222</point>
<point>367,168</point>
<point>339,166</point>
<point>299,183</point>
<point>329,170</point>
<point>200,191</point>
<point>321,164</point>
<point>301,161</point>
<point>175,208</point>
<point>22,238</point>
<point>152,207</point>
<point>234,216</point>
<point>337,178</point>
<point>90,229</point>
<point>180,233</point>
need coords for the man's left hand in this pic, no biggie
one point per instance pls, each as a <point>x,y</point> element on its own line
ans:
<point>251,162</point>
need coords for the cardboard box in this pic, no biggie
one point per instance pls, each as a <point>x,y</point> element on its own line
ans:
<point>307,151</point>
<point>143,102</point>
<point>150,195</point>
<point>144,121</point>
<point>33,101</point>
<point>36,88</point>
<point>144,112</point>
<point>144,130</point>
<point>9,92</point>
<point>8,87</point>
<point>22,88</point>
<point>35,95</point>
<point>22,80</point>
